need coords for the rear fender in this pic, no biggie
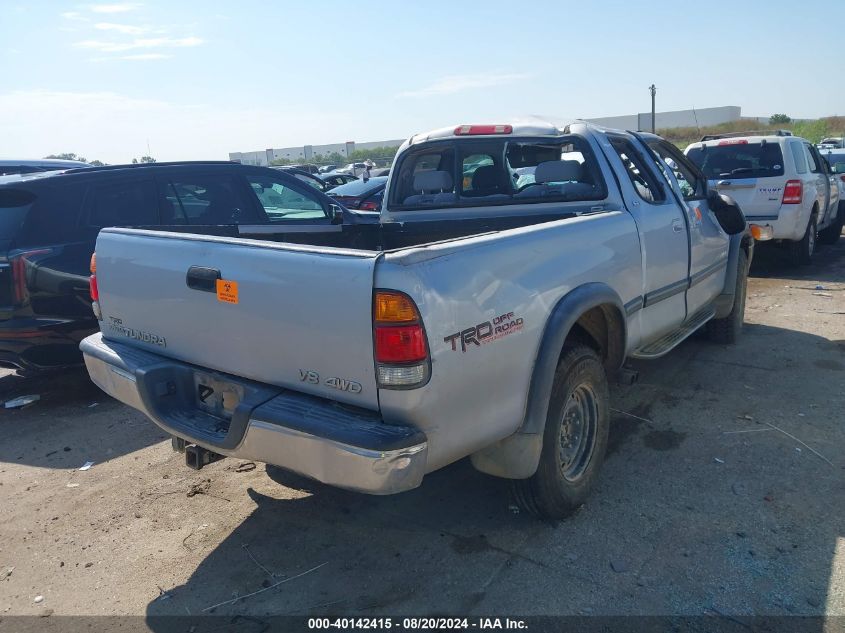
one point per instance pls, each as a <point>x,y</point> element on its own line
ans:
<point>517,456</point>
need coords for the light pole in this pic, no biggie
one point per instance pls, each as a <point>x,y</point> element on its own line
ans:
<point>653,89</point>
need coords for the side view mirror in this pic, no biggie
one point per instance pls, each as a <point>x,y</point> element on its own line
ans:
<point>727,212</point>
<point>336,214</point>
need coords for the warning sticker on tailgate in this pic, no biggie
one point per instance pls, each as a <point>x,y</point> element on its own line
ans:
<point>227,291</point>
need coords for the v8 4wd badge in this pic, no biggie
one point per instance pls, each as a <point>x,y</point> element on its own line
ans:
<point>341,384</point>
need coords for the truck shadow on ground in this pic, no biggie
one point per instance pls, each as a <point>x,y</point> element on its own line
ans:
<point>72,422</point>
<point>772,260</point>
<point>701,509</point>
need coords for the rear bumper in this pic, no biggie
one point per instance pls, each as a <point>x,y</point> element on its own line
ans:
<point>336,444</point>
<point>790,223</point>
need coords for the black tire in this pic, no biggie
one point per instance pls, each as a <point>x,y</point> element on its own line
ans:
<point>727,329</point>
<point>831,234</point>
<point>567,471</point>
<point>802,251</point>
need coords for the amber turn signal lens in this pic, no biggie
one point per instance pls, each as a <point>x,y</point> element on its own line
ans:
<point>393,307</point>
<point>93,263</point>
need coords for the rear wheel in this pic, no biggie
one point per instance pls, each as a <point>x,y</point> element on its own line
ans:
<point>803,249</point>
<point>831,234</point>
<point>727,330</point>
<point>574,440</point>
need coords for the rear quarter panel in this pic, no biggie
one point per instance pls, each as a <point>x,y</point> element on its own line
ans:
<point>478,395</point>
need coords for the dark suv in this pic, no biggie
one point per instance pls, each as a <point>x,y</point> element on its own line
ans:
<point>49,224</point>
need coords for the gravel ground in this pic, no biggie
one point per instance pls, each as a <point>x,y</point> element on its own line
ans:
<point>722,494</point>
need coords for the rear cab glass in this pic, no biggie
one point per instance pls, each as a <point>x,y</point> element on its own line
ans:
<point>738,158</point>
<point>495,171</point>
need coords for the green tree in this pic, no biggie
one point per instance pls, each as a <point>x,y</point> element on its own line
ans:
<point>144,159</point>
<point>379,155</point>
<point>280,161</point>
<point>72,156</point>
<point>777,119</point>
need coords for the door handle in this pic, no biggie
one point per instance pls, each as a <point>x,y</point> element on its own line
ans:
<point>676,225</point>
<point>202,278</point>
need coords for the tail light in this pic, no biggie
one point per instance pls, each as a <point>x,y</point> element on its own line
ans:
<point>18,264</point>
<point>368,205</point>
<point>842,177</point>
<point>734,141</point>
<point>472,130</point>
<point>793,192</point>
<point>94,290</point>
<point>401,351</point>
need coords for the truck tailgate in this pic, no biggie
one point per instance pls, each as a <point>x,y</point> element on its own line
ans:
<point>296,317</point>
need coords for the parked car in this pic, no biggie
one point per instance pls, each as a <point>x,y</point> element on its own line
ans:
<point>361,195</point>
<point>12,166</point>
<point>49,222</point>
<point>325,169</point>
<point>836,161</point>
<point>315,181</point>
<point>779,181</point>
<point>473,321</point>
<point>833,142</point>
<point>306,167</point>
<point>355,169</point>
<point>335,180</point>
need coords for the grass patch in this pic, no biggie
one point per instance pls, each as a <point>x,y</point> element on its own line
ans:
<point>813,131</point>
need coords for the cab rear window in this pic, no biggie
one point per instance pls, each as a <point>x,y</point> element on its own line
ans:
<point>486,172</point>
<point>738,159</point>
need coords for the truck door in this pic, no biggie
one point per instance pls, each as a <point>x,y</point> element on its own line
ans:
<point>708,242</point>
<point>662,228</point>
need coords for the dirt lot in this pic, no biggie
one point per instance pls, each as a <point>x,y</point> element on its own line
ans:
<point>703,506</point>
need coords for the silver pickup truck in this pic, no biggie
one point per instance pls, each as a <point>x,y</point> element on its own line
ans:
<point>483,313</point>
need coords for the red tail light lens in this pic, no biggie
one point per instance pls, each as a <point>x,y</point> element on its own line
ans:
<point>400,344</point>
<point>18,263</point>
<point>842,177</point>
<point>368,205</point>
<point>92,287</point>
<point>734,142</point>
<point>793,192</point>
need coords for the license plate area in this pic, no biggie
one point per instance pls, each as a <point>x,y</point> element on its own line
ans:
<point>217,397</point>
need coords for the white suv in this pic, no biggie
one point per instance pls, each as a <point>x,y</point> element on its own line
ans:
<point>780,181</point>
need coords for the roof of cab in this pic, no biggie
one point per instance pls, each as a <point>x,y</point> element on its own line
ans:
<point>532,127</point>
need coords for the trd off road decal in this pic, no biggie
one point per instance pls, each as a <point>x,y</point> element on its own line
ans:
<point>486,332</point>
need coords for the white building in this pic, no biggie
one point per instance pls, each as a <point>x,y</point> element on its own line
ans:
<point>641,121</point>
<point>306,153</point>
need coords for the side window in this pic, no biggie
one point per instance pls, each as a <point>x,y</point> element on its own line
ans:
<point>284,202</point>
<point>799,157</point>
<point>644,181</point>
<point>821,164</point>
<point>811,160</point>
<point>127,203</point>
<point>474,171</point>
<point>425,179</point>
<point>545,171</point>
<point>197,199</point>
<point>688,177</point>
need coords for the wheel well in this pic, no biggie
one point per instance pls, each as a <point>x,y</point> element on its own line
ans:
<point>603,329</point>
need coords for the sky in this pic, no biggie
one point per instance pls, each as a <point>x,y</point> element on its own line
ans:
<point>189,80</point>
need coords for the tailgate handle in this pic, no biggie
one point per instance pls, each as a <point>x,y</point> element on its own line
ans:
<point>202,278</point>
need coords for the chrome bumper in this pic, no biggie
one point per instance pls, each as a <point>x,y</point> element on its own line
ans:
<point>338,445</point>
